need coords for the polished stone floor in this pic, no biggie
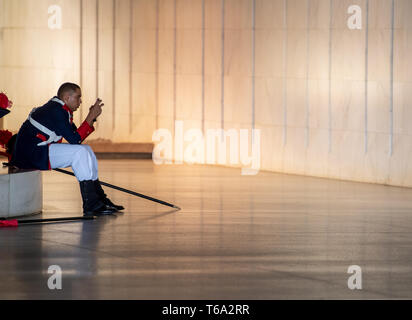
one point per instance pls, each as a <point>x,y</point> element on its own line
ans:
<point>269,236</point>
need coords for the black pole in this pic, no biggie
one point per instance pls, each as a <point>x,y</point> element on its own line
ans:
<point>55,219</point>
<point>125,190</point>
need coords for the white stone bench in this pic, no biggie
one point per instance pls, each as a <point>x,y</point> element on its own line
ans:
<point>21,192</point>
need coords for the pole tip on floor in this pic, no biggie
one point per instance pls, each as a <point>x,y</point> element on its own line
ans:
<point>176,207</point>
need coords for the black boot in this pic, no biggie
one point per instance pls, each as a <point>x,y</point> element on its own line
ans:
<point>104,198</point>
<point>92,205</point>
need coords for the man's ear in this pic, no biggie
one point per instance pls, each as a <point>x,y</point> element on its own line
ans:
<point>65,97</point>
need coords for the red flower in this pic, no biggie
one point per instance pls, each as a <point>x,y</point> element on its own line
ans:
<point>5,136</point>
<point>4,101</point>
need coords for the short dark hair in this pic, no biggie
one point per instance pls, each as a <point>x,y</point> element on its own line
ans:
<point>65,87</point>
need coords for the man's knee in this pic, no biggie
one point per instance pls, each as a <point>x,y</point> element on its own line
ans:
<point>86,153</point>
<point>82,151</point>
<point>88,148</point>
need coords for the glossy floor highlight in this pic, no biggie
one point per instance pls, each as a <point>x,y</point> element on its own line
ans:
<point>269,236</point>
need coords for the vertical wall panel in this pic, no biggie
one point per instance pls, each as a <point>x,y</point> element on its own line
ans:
<point>189,63</point>
<point>400,171</point>
<point>238,64</point>
<point>166,64</point>
<point>122,68</point>
<point>143,70</point>
<point>378,91</point>
<point>105,67</point>
<point>89,62</point>
<point>213,64</point>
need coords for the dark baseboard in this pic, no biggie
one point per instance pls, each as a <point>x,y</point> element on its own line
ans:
<point>123,155</point>
<point>105,149</point>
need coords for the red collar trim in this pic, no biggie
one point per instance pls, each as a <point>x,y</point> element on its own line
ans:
<point>67,109</point>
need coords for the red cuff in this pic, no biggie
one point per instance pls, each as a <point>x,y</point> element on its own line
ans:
<point>84,130</point>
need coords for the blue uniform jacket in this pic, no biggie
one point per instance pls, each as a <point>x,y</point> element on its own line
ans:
<point>27,154</point>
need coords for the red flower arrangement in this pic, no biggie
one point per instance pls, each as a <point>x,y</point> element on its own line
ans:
<point>4,101</point>
<point>5,135</point>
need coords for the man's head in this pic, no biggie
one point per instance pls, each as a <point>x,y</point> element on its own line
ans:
<point>70,94</point>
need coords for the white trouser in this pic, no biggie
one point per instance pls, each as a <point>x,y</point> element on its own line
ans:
<point>78,156</point>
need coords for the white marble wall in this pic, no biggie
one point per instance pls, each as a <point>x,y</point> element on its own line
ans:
<point>320,93</point>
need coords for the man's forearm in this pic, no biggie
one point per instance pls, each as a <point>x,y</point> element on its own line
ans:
<point>85,130</point>
<point>90,119</point>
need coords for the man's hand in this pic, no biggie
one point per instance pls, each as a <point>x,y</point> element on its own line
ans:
<point>94,111</point>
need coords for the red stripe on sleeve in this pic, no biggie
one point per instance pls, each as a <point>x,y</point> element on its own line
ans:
<point>85,130</point>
